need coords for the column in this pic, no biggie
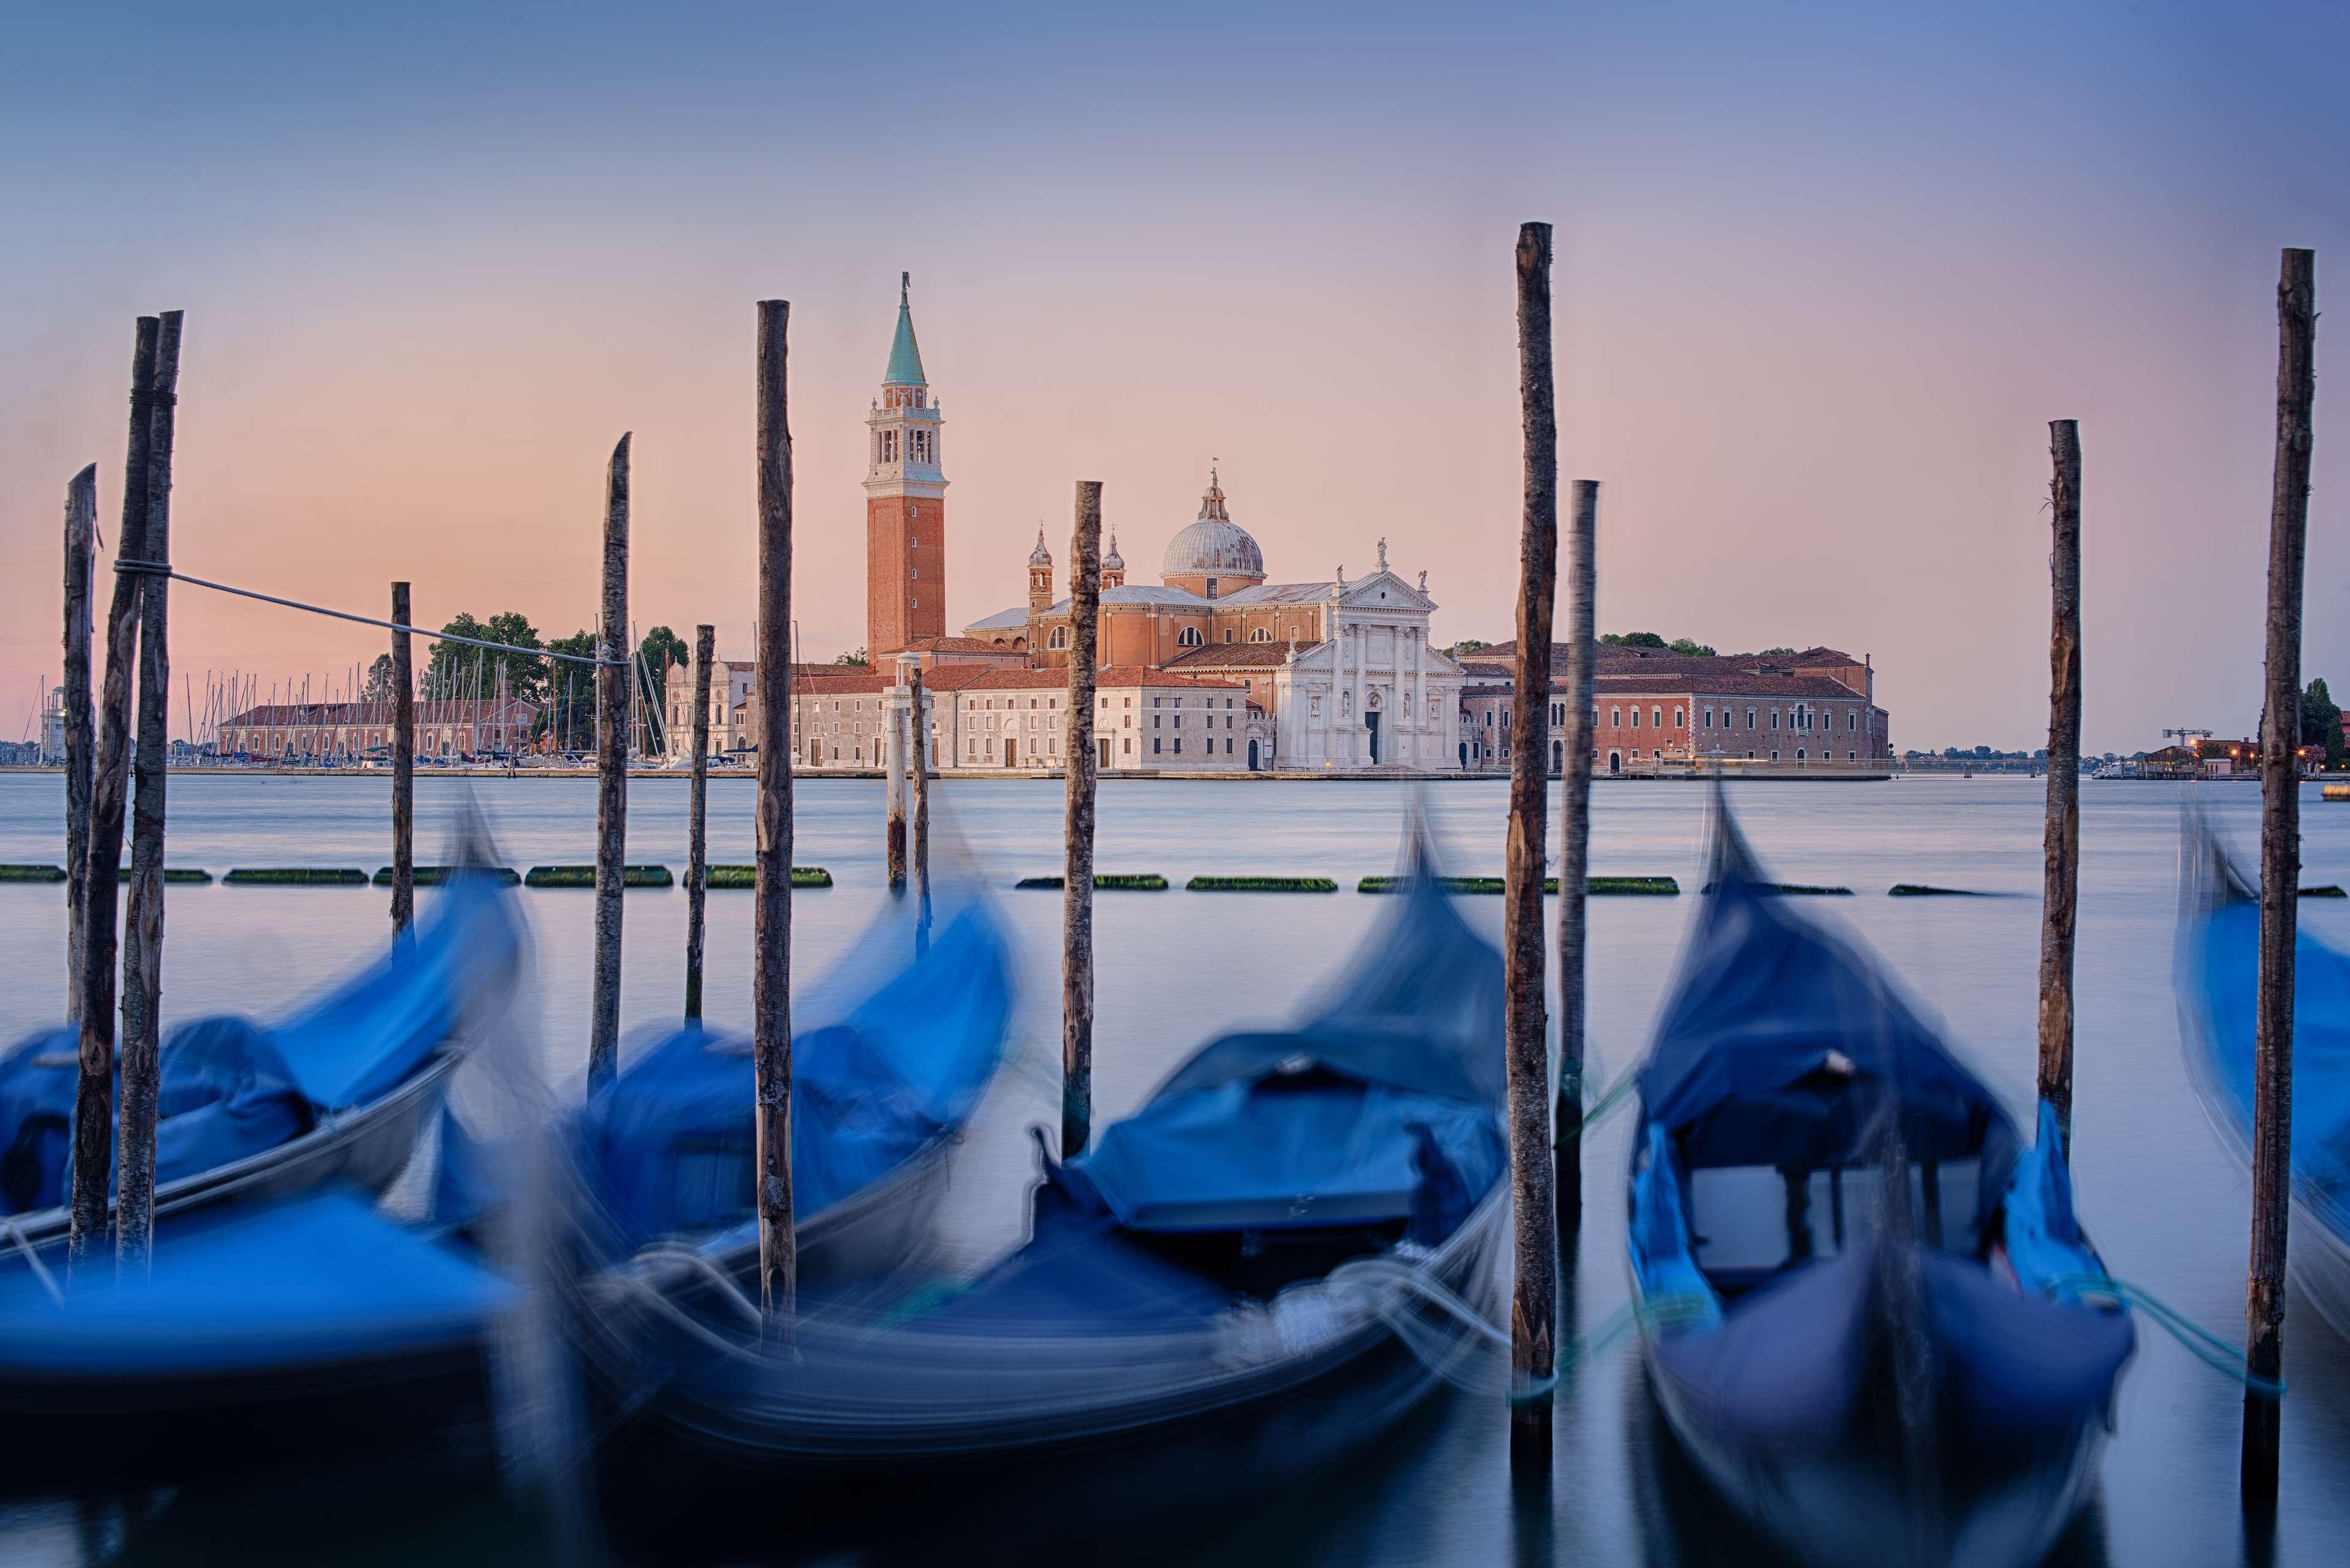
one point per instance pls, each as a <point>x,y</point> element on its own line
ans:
<point>1360,734</point>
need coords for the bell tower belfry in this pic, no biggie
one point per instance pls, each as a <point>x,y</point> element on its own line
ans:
<point>905,502</point>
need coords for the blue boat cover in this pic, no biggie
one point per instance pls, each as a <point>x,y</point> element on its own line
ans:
<point>232,1087</point>
<point>1772,1028</point>
<point>1771,1021</point>
<point>2219,982</point>
<point>667,1147</point>
<point>1381,1107</point>
<point>290,1284</point>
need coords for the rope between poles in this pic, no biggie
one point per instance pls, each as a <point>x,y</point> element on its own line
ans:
<point>163,569</point>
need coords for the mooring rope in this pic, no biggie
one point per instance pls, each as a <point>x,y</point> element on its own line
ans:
<point>32,1258</point>
<point>165,569</point>
<point>2206,1346</point>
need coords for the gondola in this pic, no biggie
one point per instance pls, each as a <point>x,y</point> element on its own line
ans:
<point>337,1093</point>
<point>2218,976</point>
<point>313,1327</point>
<point>1267,1265</point>
<point>1867,1370</point>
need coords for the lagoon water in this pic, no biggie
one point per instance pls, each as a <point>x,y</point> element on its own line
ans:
<point>2168,1206</point>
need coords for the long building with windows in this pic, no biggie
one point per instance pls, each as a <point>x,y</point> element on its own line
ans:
<point>1658,710</point>
<point>345,731</point>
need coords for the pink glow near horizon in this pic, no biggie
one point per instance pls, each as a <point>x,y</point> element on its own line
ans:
<point>1809,344</point>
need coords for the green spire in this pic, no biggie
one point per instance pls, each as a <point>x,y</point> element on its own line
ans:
<point>905,358</point>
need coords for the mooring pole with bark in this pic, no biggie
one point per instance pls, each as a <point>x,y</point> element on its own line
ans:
<point>1533,1300</point>
<point>771,972</point>
<point>403,771</point>
<point>93,1158</point>
<point>2061,844</point>
<point>1574,849</point>
<point>918,722</point>
<point>2280,871</point>
<point>612,773</point>
<point>1077,867</point>
<point>893,764</point>
<point>81,541</point>
<point>142,958</point>
<point>697,842</point>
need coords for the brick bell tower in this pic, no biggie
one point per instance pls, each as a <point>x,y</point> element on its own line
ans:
<point>905,503</point>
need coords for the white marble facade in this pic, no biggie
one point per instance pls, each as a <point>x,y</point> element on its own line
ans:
<point>1375,694</point>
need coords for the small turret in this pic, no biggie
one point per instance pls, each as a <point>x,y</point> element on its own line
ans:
<point>1113,567</point>
<point>1040,575</point>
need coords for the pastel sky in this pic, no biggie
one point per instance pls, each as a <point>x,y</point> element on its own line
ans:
<point>1824,275</point>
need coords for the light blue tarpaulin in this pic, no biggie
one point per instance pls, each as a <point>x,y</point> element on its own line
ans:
<point>232,1087</point>
<point>311,1279</point>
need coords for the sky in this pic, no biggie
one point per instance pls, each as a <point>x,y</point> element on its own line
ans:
<point>1824,278</point>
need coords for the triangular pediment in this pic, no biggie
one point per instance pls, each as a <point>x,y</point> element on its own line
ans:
<point>1385,591</point>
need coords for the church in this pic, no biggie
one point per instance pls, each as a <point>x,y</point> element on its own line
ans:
<point>1339,672</point>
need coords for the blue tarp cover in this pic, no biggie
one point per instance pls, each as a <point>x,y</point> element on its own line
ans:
<point>285,1284</point>
<point>1771,1025</point>
<point>666,1145</point>
<point>2218,979</point>
<point>1380,1108</point>
<point>232,1087</point>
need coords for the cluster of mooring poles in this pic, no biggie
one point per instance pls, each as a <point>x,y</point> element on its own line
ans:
<point>1545,1136</point>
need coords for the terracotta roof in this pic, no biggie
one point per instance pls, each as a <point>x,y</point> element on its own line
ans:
<point>1143,675</point>
<point>850,682</point>
<point>980,678</point>
<point>953,645</point>
<point>1239,655</point>
<point>1638,683</point>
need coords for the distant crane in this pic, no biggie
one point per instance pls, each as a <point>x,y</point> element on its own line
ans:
<point>2191,736</point>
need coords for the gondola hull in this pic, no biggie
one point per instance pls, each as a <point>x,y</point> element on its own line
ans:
<point>368,1147</point>
<point>1068,1469</point>
<point>1845,1507</point>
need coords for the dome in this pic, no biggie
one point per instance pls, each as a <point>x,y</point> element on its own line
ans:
<point>1113,562</point>
<point>1040,556</point>
<point>1214,545</point>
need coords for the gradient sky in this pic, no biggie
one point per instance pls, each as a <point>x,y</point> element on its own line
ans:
<point>1823,278</point>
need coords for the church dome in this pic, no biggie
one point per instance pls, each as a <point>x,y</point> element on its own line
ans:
<point>1113,562</point>
<point>1040,556</point>
<point>1214,545</point>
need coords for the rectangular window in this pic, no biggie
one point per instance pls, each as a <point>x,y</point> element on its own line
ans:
<point>1616,718</point>
<point>1775,718</point>
<point>1708,718</point>
<point>1657,717</point>
<point>1750,717</point>
<point>1178,745</point>
<point>1636,716</point>
<point>1154,744</point>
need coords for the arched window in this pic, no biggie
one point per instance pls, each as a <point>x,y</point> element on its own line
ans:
<point>1260,634</point>
<point>1188,637</point>
<point>1060,637</point>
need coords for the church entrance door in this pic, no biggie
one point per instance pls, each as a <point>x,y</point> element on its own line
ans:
<point>1372,721</point>
<point>1615,761</point>
<point>1010,752</point>
<point>1252,756</point>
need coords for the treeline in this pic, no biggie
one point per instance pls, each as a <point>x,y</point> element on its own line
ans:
<point>564,692</point>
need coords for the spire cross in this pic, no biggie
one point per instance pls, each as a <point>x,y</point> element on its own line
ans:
<point>905,287</point>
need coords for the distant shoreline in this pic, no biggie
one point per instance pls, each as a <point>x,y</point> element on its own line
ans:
<point>682,775</point>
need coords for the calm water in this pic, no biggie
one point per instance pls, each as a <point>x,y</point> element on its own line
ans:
<point>2168,1206</point>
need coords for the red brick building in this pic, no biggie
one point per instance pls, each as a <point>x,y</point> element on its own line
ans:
<point>905,503</point>
<point>1659,710</point>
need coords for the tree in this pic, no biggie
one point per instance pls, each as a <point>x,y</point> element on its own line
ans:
<point>2320,722</point>
<point>1634,639</point>
<point>571,712</point>
<point>378,686</point>
<point>1778,653</point>
<point>1690,647</point>
<point>661,648</point>
<point>1466,646</point>
<point>856,659</point>
<point>457,670</point>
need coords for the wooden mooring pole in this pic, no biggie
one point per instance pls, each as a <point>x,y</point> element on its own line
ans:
<point>1077,868</point>
<point>697,842</point>
<point>918,724</point>
<point>1533,1300</point>
<point>143,956</point>
<point>93,1158</point>
<point>2280,872</point>
<point>403,771</point>
<point>1574,849</point>
<point>2061,844</point>
<point>612,773</point>
<point>771,972</point>
<point>81,538</point>
<point>893,764</point>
